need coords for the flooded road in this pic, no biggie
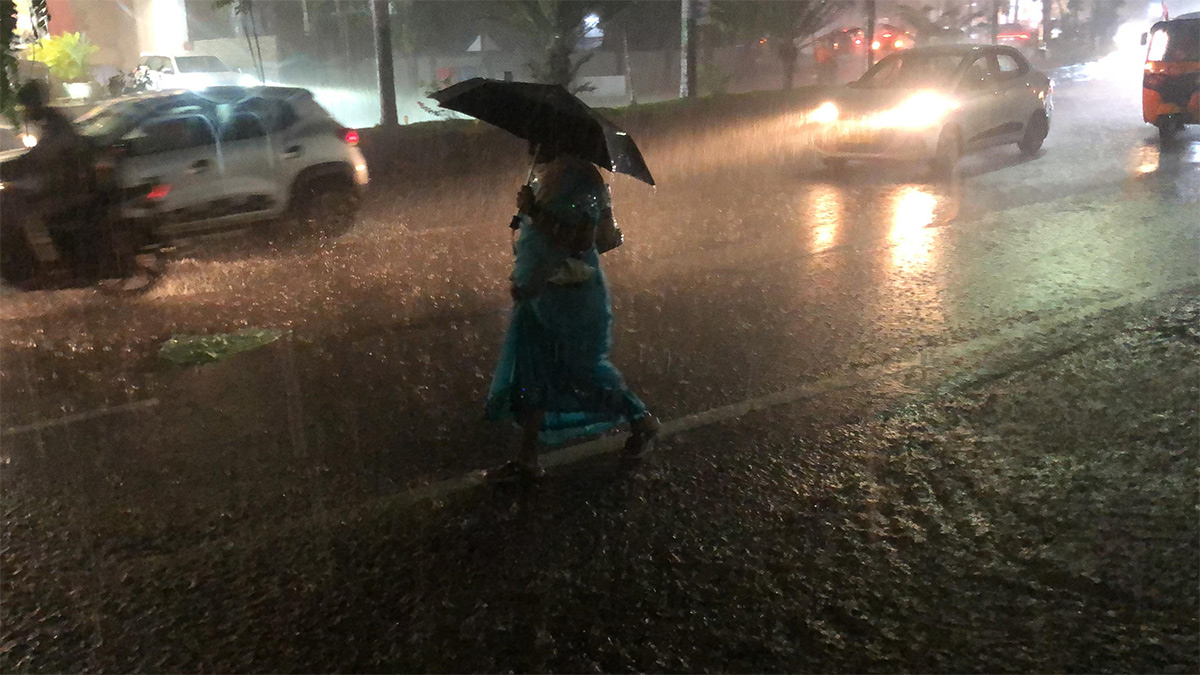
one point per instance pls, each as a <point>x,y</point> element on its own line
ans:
<point>911,425</point>
<point>748,271</point>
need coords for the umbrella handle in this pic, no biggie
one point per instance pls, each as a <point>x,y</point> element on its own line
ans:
<point>532,164</point>
<point>515,223</point>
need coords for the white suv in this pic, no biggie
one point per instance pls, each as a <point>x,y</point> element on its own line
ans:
<point>233,156</point>
<point>193,71</point>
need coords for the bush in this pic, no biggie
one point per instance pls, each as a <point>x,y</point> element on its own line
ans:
<point>66,55</point>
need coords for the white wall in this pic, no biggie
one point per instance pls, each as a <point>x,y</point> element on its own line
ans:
<point>161,25</point>
<point>235,53</point>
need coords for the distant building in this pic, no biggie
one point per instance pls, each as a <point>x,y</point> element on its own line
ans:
<point>125,29</point>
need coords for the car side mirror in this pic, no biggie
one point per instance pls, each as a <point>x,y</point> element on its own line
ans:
<point>1145,38</point>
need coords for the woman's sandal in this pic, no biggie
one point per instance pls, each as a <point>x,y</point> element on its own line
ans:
<point>516,471</point>
<point>641,442</point>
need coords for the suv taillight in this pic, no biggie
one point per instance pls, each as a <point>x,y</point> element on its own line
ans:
<point>349,136</point>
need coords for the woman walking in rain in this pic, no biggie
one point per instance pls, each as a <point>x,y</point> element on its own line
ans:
<point>554,376</point>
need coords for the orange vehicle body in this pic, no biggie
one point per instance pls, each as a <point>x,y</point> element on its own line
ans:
<point>1171,81</point>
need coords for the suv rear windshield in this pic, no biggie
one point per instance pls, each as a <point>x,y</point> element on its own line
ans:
<point>109,120</point>
<point>1175,42</point>
<point>912,70</point>
<point>201,64</point>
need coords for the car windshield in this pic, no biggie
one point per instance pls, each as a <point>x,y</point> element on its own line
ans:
<point>201,64</point>
<point>1175,42</point>
<point>108,120</point>
<point>912,71</point>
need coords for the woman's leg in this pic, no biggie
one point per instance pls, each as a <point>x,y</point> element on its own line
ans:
<point>525,466</point>
<point>643,426</point>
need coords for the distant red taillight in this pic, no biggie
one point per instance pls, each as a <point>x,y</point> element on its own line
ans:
<point>350,136</point>
<point>158,192</point>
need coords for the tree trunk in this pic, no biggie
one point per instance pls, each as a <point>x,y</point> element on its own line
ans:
<point>559,61</point>
<point>414,73</point>
<point>344,30</point>
<point>383,59</point>
<point>995,21</point>
<point>249,41</point>
<point>262,68</point>
<point>687,50</point>
<point>869,35</point>
<point>1047,19</point>
<point>787,57</point>
<point>627,68</point>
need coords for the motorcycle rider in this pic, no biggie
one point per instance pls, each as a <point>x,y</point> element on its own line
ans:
<point>67,200</point>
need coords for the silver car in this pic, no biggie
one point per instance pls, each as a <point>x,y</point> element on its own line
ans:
<point>234,156</point>
<point>935,104</point>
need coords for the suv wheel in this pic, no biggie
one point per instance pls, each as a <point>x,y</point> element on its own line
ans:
<point>1168,126</point>
<point>1036,130</point>
<point>324,209</point>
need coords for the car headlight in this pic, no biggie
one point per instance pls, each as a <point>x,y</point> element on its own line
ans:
<point>826,113</point>
<point>29,140</point>
<point>925,109</point>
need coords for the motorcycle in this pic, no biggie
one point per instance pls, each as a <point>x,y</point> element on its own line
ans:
<point>134,82</point>
<point>115,253</point>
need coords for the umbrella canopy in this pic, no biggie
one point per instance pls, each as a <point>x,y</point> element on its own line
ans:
<point>549,116</point>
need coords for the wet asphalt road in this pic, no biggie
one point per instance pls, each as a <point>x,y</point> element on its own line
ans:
<point>748,271</point>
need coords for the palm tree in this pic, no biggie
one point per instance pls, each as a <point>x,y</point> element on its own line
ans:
<point>245,10</point>
<point>557,28</point>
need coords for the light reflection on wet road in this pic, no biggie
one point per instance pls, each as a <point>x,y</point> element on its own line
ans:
<point>747,270</point>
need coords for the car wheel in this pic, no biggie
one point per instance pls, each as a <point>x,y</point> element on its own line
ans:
<point>1036,130</point>
<point>324,209</point>
<point>1168,127</point>
<point>949,151</point>
<point>144,272</point>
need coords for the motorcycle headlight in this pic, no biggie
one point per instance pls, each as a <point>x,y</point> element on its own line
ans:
<point>925,109</point>
<point>29,140</point>
<point>826,113</point>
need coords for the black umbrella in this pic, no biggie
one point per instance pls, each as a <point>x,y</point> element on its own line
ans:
<point>548,116</point>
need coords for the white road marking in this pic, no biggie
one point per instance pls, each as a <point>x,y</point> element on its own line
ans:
<point>80,417</point>
<point>929,359</point>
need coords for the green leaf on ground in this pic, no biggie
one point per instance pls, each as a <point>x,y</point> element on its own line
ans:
<point>197,350</point>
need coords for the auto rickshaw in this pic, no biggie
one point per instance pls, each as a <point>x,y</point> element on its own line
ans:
<point>1171,83</point>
